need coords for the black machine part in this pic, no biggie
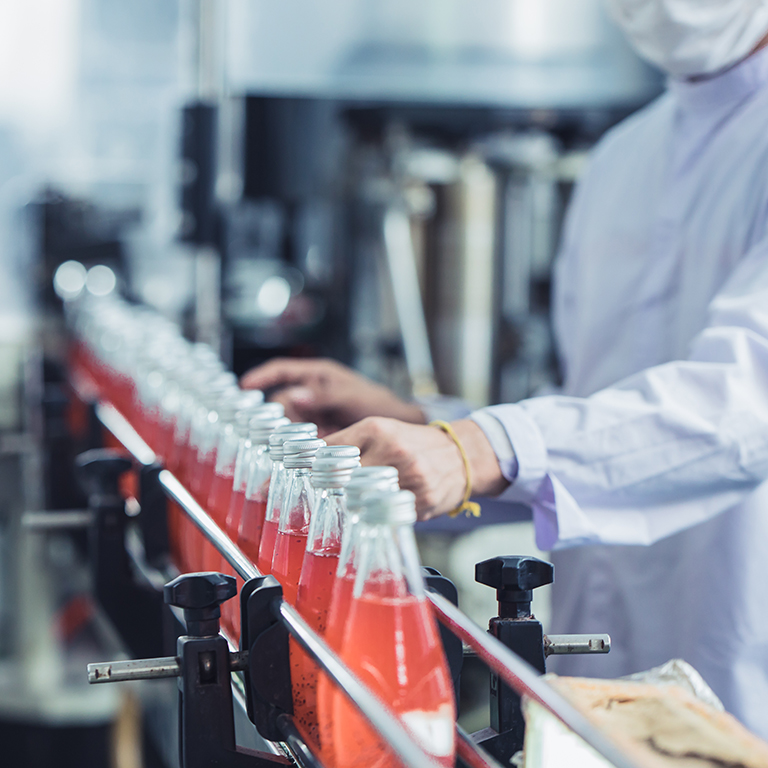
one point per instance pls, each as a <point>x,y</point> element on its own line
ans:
<point>514,579</point>
<point>206,715</point>
<point>134,610</point>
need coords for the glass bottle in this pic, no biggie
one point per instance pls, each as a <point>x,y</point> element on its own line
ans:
<point>330,475</point>
<point>222,484</point>
<point>277,489</point>
<point>295,514</point>
<point>391,642</point>
<point>215,409</point>
<point>246,517</point>
<point>180,454</point>
<point>266,414</point>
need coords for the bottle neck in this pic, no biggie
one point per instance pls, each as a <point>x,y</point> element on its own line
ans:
<point>226,448</point>
<point>242,460</point>
<point>326,525</point>
<point>383,560</point>
<point>276,490</point>
<point>298,500</point>
<point>259,472</point>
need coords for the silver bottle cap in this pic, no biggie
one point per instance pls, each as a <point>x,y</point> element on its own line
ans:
<point>339,452</point>
<point>300,454</point>
<point>394,508</point>
<point>292,431</point>
<point>332,472</point>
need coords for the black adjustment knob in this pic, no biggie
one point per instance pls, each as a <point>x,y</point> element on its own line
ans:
<point>200,595</point>
<point>99,470</point>
<point>514,579</point>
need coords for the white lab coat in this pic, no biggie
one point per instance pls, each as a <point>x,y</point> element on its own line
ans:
<point>658,445</point>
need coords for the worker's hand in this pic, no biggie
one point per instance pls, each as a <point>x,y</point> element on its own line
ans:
<point>428,460</point>
<point>327,393</point>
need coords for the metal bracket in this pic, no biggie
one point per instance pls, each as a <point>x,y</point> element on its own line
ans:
<point>268,683</point>
<point>153,519</point>
<point>560,645</point>
<point>452,645</point>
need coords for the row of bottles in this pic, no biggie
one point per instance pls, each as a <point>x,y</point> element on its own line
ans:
<point>337,536</point>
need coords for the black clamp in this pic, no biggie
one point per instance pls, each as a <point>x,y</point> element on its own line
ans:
<point>514,579</point>
<point>206,714</point>
<point>135,610</point>
<point>268,683</point>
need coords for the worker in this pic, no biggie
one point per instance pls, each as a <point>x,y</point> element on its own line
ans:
<point>648,474</point>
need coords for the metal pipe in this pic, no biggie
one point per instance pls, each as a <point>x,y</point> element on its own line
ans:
<point>301,752</point>
<point>133,669</point>
<point>524,679</point>
<point>373,709</point>
<point>470,753</point>
<point>561,645</point>
<point>121,428</point>
<point>244,567</point>
<point>57,519</point>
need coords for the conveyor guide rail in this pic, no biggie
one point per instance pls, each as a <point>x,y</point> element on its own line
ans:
<point>511,668</point>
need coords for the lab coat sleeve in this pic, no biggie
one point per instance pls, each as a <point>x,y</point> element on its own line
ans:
<point>660,451</point>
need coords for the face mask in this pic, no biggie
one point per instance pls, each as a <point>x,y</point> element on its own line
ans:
<point>692,37</point>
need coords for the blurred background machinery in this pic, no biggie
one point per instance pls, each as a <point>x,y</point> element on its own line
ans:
<point>383,183</point>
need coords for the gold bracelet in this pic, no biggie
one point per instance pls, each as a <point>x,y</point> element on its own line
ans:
<point>471,508</point>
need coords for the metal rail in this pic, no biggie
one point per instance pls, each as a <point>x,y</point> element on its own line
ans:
<point>524,679</point>
<point>370,705</point>
<point>379,714</point>
<point>122,429</point>
<point>511,668</point>
<point>244,567</point>
<point>470,753</point>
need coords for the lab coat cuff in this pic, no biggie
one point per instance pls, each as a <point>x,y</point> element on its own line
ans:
<point>523,457</point>
<point>497,436</point>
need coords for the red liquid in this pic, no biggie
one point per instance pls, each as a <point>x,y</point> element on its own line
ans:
<point>218,504</point>
<point>341,597</point>
<point>194,540</point>
<point>234,514</point>
<point>187,465</point>
<point>248,537</point>
<point>267,546</point>
<point>287,560</point>
<point>318,575</point>
<point>392,644</point>
<point>166,444</point>
<point>230,611</point>
<point>251,526</point>
<point>201,479</point>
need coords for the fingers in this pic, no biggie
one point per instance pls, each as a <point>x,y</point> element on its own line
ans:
<point>358,434</point>
<point>427,460</point>
<point>298,402</point>
<point>282,371</point>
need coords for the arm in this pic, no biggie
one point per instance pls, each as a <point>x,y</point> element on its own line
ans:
<point>327,393</point>
<point>662,450</point>
<point>656,453</point>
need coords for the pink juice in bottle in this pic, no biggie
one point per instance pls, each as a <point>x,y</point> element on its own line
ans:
<point>287,559</point>
<point>382,627</point>
<point>267,546</point>
<point>218,503</point>
<point>331,472</point>
<point>318,575</point>
<point>392,644</point>
<point>251,526</point>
